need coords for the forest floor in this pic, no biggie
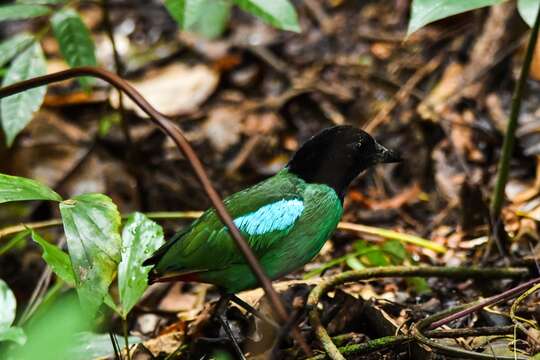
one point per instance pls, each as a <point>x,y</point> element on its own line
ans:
<point>246,102</point>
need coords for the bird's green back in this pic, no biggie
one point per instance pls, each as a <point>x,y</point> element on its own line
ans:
<point>284,219</point>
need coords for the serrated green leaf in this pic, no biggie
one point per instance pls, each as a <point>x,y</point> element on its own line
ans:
<point>57,259</point>
<point>17,110</point>
<point>528,10</point>
<point>22,11</point>
<point>15,188</point>
<point>140,238</point>
<point>185,12</point>
<point>8,305</point>
<point>12,46</point>
<point>214,21</point>
<point>279,13</point>
<point>91,224</point>
<point>76,44</point>
<point>424,12</point>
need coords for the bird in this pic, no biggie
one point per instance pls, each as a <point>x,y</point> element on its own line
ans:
<point>286,219</point>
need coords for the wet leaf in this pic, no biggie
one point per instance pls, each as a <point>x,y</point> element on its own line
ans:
<point>424,12</point>
<point>22,11</point>
<point>75,41</point>
<point>140,238</point>
<point>13,45</point>
<point>15,188</point>
<point>279,13</point>
<point>57,259</point>
<point>17,110</point>
<point>528,10</point>
<point>91,224</point>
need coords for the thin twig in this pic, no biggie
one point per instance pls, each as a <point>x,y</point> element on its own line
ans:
<point>185,147</point>
<point>392,271</point>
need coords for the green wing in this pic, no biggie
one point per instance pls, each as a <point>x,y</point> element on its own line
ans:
<point>264,213</point>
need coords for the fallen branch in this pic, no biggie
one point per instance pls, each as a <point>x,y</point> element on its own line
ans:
<point>394,271</point>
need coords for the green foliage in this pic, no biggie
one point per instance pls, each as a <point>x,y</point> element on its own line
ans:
<point>58,260</point>
<point>89,346</point>
<point>279,13</point>
<point>14,45</point>
<point>75,41</point>
<point>185,12</point>
<point>22,11</point>
<point>91,224</point>
<point>214,21</point>
<point>17,110</point>
<point>15,188</point>
<point>8,307</point>
<point>140,238</point>
<point>391,252</point>
<point>528,10</point>
<point>210,17</point>
<point>424,12</point>
<point>51,335</point>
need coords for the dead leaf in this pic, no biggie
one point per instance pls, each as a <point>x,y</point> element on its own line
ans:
<point>173,90</point>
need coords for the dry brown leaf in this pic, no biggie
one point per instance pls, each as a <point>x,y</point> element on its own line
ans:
<point>174,89</point>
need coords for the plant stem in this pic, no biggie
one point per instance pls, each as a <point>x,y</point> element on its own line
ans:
<point>126,338</point>
<point>509,137</point>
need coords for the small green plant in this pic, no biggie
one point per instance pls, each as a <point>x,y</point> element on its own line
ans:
<point>364,255</point>
<point>98,250</point>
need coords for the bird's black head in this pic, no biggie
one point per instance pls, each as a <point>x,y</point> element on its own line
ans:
<point>336,156</point>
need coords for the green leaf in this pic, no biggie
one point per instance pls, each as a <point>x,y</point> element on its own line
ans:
<point>14,241</point>
<point>91,224</point>
<point>397,250</point>
<point>18,109</point>
<point>42,2</point>
<point>12,46</point>
<point>354,263</point>
<point>22,11</point>
<point>57,259</point>
<point>279,13</point>
<point>213,21</point>
<point>76,44</point>
<point>528,10</point>
<point>424,12</point>
<point>89,346</point>
<point>15,188</point>
<point>13,333</point>
<point>8,305</point>
<point>50,333</point>
<point>185,12</point>
<point>419,284</point>
<point>140,238</point>
<point>60,264</point>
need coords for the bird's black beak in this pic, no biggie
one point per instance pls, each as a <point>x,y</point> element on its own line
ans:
<point>384,155</point>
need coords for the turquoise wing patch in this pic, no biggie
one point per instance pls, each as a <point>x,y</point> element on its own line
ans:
<point>272,217</point>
